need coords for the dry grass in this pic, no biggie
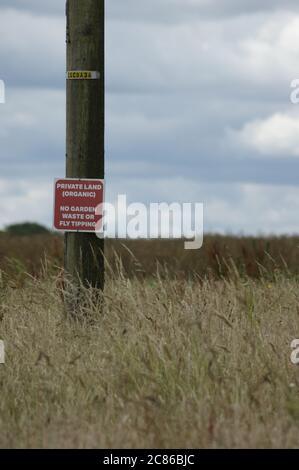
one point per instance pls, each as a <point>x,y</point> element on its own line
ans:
<point>170,363</point>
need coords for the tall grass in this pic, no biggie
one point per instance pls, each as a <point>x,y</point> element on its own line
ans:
<point>170,362</point>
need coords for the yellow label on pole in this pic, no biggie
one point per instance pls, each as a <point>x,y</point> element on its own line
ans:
<point>82,75</point>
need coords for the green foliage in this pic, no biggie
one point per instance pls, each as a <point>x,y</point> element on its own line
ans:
<point>26,228</point>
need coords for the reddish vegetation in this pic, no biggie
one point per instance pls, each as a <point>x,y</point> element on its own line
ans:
<point>220,256</point>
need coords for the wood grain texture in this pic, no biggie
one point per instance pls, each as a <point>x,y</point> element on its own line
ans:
<point>84,260</point>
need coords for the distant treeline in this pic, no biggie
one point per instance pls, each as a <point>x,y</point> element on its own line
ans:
<point>26,228</point>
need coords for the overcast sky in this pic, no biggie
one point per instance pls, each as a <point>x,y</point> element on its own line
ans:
<point>198,108</point>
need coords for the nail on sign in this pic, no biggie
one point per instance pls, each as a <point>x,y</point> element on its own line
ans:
<point>75,204</point>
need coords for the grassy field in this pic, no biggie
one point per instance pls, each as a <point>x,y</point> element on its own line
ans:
<point>175,360</point>
<point>251,256</point>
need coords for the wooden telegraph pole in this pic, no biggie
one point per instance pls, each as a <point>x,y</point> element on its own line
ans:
<point>84,252</point>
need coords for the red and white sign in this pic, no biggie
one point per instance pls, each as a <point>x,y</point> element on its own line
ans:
<point>75,204</point>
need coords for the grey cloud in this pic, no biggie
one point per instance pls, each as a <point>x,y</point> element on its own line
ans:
<point>147,136</point>
<point>179,76</point>
<point>187,10</point>
<point>36,6</point>
<point>161,10</point>
<point>201,58</point>
<point>35,54</point>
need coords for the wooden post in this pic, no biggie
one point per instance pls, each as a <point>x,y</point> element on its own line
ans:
<point>84,253</point>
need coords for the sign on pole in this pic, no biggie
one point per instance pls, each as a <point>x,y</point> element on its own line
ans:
<point>75,204</point>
